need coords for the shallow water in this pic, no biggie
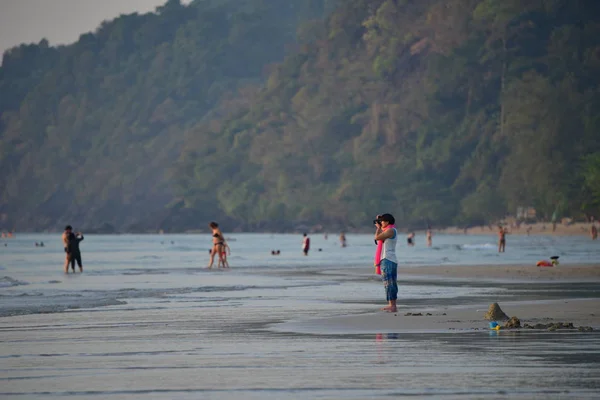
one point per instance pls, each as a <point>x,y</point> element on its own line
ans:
<point>147,320</point>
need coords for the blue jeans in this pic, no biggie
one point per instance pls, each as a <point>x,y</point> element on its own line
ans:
<point>389,276</point>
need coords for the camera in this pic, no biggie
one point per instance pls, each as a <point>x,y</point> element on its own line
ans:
<point>377,220</point>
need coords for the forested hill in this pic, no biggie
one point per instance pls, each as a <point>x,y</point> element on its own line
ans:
<point>439,111</point>
<point>89,132</point>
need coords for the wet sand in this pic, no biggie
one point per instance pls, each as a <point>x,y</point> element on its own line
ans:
<point>562,272</point>
<point>553,298</point>
<point>581,312</point>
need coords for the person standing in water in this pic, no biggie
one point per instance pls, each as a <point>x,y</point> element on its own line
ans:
<point>77,252</point>
<point>226,252</point>
<point>501,239</point>
<point>218,244</point>
<point>71,247</point>
<point>594,232</point>
<point>305,244</point>
<point>429,237</point>
<point>389,262</point>
<point>410,239</point>
<point>343,239</point>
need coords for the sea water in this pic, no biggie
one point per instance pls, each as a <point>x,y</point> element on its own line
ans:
<point>147,319</point>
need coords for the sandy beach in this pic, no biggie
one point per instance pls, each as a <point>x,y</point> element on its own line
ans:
<point>457,319</point>
<point>582,312</point>
<point>531,273</point>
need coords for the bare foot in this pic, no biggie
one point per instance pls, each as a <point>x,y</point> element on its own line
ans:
<point>389,309</point>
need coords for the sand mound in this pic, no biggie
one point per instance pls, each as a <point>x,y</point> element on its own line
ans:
<point>495,313</point>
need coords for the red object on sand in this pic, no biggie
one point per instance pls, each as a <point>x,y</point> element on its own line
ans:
<point>544,263</point>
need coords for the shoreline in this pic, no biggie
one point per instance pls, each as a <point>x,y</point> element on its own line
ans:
<point>538,228</point>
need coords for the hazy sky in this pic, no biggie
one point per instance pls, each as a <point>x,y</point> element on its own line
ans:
<point>60,21</point>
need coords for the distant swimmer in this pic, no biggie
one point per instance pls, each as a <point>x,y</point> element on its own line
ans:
<point>71,247</point>
<point>305,244</point>
<point>501,239</point>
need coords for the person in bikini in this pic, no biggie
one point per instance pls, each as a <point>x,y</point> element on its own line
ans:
<point>501,239</point>
<point>218,244</point>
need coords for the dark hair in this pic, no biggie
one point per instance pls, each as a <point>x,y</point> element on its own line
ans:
<point>68,227</point>
<point>388,218</point>
<point>305,234</point>
<point>213,225</point>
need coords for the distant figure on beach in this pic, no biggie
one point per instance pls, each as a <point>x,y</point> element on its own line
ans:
<point>594,232</point>
<point>305,244</point>
<point>501,239</point>
<point>389,262</point>
<point>41,244</point>
<point>71,247</point>
<point>343,239</point>
<point>218,244</point>
<point>429,237</point>
<point>410,239</point>
<point>528,230</point>
<point>325,236</point>
<point>224,253</point>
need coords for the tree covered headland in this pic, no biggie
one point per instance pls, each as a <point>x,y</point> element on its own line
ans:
<point>268,114</point>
